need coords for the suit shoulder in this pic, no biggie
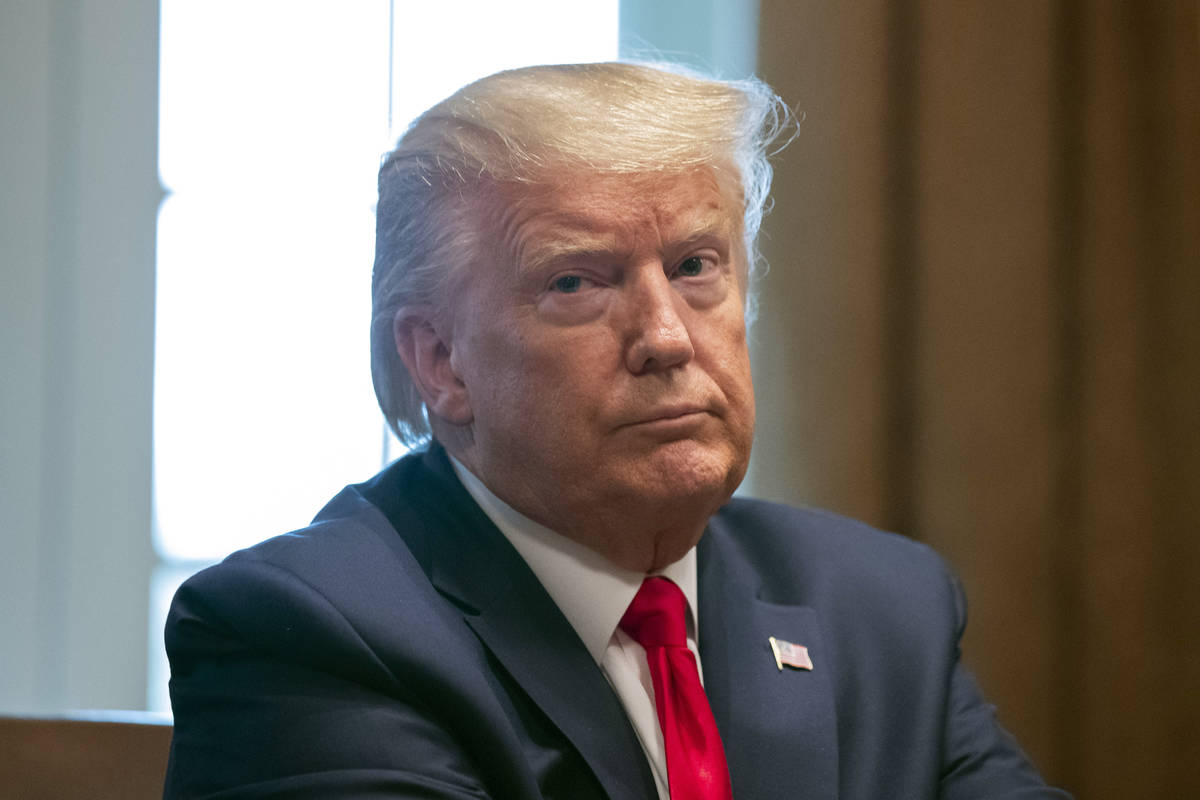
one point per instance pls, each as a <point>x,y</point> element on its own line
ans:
<point>817,533</point>
<point>351,534</point>
<point>344,581</point>
<point>800,553</point>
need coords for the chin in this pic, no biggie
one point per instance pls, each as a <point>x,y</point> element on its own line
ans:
<point>659,502</point>
<point>703,476</point>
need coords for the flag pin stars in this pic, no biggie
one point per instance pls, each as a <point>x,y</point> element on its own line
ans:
<point>792,655</point>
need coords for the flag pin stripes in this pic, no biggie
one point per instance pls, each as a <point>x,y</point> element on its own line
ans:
<point>792,655</point>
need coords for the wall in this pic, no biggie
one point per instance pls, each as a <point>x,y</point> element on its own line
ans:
<point>78,173</point>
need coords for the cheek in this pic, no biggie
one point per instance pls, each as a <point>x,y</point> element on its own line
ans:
<point>731,347</point>
<point>579,360</point>
<point>735,381</point>
<point>537,390</point>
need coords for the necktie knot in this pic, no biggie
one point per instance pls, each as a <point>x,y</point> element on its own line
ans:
<point>656,617</point>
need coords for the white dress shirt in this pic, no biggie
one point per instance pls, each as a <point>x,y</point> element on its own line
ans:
<point>593,594</point>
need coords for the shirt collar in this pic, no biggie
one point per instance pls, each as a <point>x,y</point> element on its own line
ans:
<point>591,591</point>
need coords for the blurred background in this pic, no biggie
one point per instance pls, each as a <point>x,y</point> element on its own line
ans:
<point>979,326</point>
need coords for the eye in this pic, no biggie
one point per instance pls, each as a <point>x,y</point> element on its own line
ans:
<point>691,267</point>
<point>567,284</point>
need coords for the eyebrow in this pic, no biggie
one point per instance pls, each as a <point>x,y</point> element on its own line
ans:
<point>716,230</point>
<point>575,245</point>
<point>558,250</point>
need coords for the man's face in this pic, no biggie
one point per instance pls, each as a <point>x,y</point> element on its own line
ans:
<point>603,354</point>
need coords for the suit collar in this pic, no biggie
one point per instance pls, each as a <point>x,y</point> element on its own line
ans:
<point>779,726</point>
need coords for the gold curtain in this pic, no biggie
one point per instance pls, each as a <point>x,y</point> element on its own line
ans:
<point>981,327</point>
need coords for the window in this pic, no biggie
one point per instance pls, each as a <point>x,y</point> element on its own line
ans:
<point>273,117</point>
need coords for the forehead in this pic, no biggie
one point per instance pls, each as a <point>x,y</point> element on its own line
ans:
<point>606,212</point>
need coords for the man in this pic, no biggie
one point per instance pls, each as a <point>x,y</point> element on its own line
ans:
<point>562,269</point>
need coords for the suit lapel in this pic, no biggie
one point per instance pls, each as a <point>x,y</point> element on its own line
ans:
<point>470,561</point>
<point>530,637</point>
<point>779,727</point>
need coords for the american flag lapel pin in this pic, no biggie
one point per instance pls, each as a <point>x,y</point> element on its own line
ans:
<point>792,655</point>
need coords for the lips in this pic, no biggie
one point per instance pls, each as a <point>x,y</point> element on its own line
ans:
<point>668,413</point>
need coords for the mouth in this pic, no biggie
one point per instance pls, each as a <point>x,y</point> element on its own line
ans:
<point>670,416</point>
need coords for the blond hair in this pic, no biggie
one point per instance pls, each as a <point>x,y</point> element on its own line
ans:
<point>524,126</point>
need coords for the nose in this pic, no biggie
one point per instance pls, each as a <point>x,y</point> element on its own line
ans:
<point>658,337</point>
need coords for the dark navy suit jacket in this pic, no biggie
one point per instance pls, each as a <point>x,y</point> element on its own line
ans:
<point>399,647</point>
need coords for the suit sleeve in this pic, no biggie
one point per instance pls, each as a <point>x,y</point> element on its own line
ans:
<point>981,758</point>
<point>275,696</point>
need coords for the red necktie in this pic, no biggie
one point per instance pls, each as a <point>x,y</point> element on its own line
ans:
<point>696,768</point>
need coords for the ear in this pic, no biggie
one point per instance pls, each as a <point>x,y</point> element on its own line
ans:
<point>428,357</point>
